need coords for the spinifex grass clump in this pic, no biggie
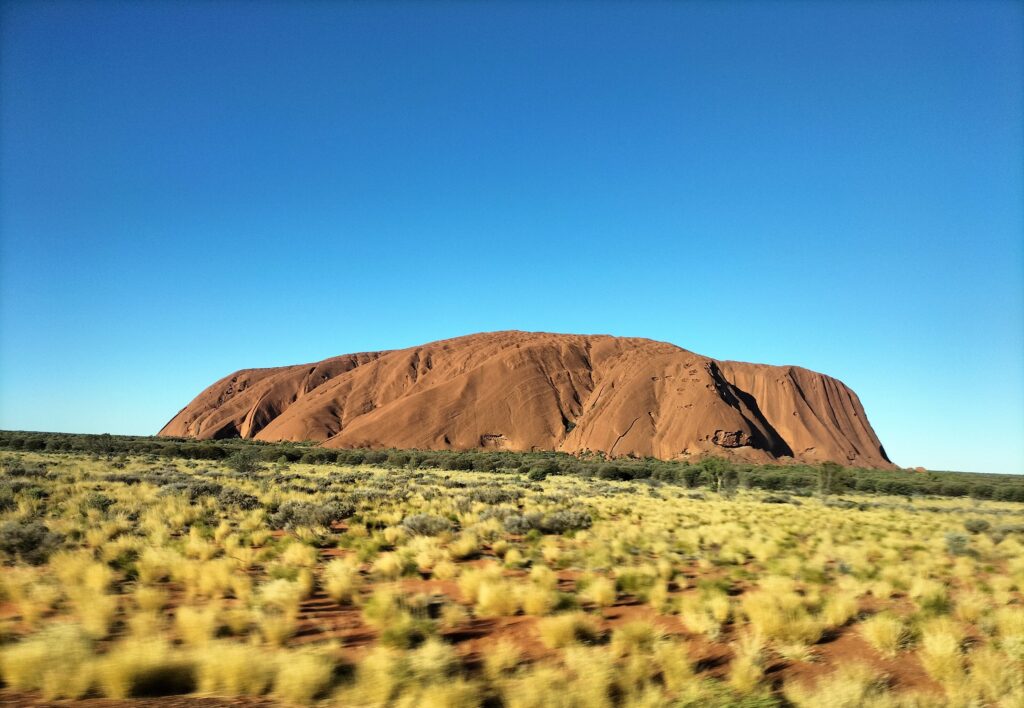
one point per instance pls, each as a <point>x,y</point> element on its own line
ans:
<point>399,584</point>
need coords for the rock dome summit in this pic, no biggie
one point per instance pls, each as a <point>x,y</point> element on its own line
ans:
<point>528,391</point>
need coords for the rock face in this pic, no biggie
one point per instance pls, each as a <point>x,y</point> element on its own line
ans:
<point>539,391</point>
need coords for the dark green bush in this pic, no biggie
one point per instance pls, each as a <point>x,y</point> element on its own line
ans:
<point>537,474</point>
<point>562,521</point>
<point>244,461</point>
<point>7,501</point>
<point>957,544</point>
<point>31,541</point>
<point>292,514</point>
<point>231,496</point>
<point>95,500</point>
<point>426,524</point>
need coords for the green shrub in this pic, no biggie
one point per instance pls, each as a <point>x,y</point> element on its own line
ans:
<point>957,544</point>
<point>31,541</point>
<point>244,461</point>
<point>426,524</point>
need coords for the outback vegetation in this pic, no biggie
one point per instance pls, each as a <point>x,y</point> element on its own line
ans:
<point>713,472</point>
<point>140,567</point>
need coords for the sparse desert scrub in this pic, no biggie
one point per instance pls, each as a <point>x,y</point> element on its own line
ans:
<point>428,676</point>
<point>472,579</point>
<point>298,555</point>
<point>746,671</point>
<point>465,546</point>
<point>941,650</point>
<point>543,576</point>
<point>850,686</point>
<point>380,677</point>
<point>513,558</point>
<point>781,614</point>
<point>392,565</point>
<point>1008,625</point>
<point>149,599</point>
<point>501,659</point>
<point>637,637</point>
<point>196,626</point>
<point>341,580</point>
<point>302,676</point>
<point>635,580</point>
<point>28,591</point>
<point>278,610</point>
<point>600,591</point>
<point>885,632</point>
<point>931,596</point>
<point>970,606</point>
<point>233,669</point>
<point>705,612</point>
<point>445,570</point>
<point>400,622</point>
<point>839,609</point>
<point>534,687</point>
<point>144,667</point>
<point>658,598</point>
<point>95,611</point>
<point>536,599</point>
<point>194,590</point>
<point>499,598</point>
<point>675,665</point>
<point>562,630</point>
<point>56,662</point>
<point>452,615</point>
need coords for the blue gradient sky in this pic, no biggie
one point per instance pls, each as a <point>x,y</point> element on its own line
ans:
<point>191,188</point>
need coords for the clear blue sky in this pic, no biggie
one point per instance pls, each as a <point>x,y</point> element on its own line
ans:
<point>191,188</point>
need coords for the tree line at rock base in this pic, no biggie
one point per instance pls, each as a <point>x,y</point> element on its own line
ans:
<point>715,474</point>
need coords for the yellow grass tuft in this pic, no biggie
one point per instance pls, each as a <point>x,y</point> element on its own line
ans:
<point>302,676</point>
<point>498,598</point>
<point>197,626</point>
<point>144,667</point>
<point>600,591</point>
<point>233,669</point>
<point>941,651</point>
<point>341,580</point>
<point>885,632</point>
<point>562,630</point>
<point>746,672</point>
<point>501,659</point>
<point>850,686</point>
<point>56,662</point>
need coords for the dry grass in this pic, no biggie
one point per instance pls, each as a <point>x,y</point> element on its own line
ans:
<point>302,676</point>
<point>941,650</point>
<point>341,580</point>
<point>851,686</point>
<point>232,669</point>
<point>885,632</point>
<point>563,630</point>
<point>156,592</point>
<point>600,591</point>
<point>497,598</point>
<point>746,672</point>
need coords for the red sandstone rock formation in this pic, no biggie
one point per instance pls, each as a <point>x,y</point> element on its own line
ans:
<point>539,391</point>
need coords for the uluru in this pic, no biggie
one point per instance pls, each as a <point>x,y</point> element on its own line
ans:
<point>526,391</point>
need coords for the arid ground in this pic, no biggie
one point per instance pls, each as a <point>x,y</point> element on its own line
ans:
<point>240,582</point>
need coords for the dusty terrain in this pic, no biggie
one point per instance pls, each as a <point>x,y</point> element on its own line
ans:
<point>194,585</point>
<point>536,391</point>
